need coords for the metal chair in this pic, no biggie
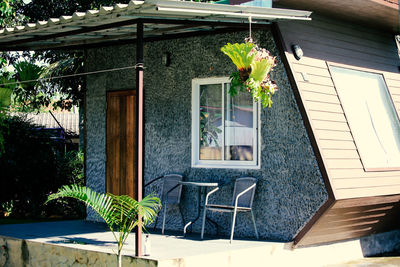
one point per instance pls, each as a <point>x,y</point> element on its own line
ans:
<point>170,194</point>
<point>242,201</point>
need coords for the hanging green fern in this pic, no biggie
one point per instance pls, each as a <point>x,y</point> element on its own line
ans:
<point>240,54</point>
<point>254,65</point>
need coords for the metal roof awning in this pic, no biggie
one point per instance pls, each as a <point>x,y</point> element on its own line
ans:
<point>118,23</point>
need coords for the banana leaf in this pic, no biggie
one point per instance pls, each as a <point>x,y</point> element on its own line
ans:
<point>27,71</point>
<point>5,97</point>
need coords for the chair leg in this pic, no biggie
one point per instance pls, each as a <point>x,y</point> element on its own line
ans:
<point>254,223</point>
<point>164,215</point>
<point>233,225</point>
<point>183,218</point>
<point>204,222</point>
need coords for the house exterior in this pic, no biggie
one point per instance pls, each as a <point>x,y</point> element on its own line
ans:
<point>317,181</point>
<point>169,138</point>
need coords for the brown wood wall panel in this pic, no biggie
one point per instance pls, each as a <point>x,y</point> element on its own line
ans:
<point>341,154</point>
<point>339,174</point>
<point>334,135</point>
<point>345,193</point>
<point>396,98</point>
<point>331,125</point>
<point>344,48</point>
<point>393,84</point>
<point>314,79</point>
<point>327,116</point>
<point>336,30</point>
<point>344,164</point>
<point>319,71</point>
<point>320,97</point>
<point>324,40</point>
<point>121,147</point>
<point>354,218</point>
<point>364,202</point>
<point>336,144</point>
<point>329,107</point>
<point>315,88</point>
<point>308,61</point>
<point>367,182</point>
<point>315,51</point>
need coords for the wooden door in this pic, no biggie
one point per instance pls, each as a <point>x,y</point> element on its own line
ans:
<point>121,143</point>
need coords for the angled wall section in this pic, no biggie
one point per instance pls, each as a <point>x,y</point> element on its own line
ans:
<point>374,195</point>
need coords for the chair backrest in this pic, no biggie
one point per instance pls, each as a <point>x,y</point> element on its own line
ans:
<point>241,184</point>
<point>170,181</point>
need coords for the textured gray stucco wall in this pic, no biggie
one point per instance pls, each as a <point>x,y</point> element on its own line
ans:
<point>380,243</point>
<point>97,86</point>
<point>290,187</point>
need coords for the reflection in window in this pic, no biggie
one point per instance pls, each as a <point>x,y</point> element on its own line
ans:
<point>371,116</point>
<point>238,126</point>
<point>210,122</point>
<point>226,126</point>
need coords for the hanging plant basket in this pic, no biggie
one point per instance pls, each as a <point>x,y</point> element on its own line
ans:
<point>254,65</point>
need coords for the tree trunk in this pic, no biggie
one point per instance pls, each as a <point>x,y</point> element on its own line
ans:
<point>119,258</point>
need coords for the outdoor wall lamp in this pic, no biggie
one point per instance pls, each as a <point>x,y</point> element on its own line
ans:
<point>297,51</point>
<point>166,59</point>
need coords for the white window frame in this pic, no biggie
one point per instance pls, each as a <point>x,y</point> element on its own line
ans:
<point>232,164</point>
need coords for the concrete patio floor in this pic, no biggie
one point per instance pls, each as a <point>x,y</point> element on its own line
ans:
<point>97,237</point>
<point>82,243</point>
<point>165,249</point>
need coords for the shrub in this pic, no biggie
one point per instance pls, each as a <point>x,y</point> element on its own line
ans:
<point>33,165</point>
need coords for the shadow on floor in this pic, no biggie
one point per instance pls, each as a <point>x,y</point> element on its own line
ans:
<point>51,229</point>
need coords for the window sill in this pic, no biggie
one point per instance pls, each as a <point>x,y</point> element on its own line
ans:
<point>222,166</point>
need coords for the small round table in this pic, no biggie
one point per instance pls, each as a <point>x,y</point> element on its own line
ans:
<point>202,191</point>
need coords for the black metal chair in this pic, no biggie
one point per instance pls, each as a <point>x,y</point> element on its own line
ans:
<point>170,194</point>
<point>242,201</point>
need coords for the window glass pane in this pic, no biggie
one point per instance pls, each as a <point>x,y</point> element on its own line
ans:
<point>371,116</point>
<point>211,142</point>
<point>239,133</point>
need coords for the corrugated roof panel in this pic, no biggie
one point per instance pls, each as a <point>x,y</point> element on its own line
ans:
<point>69,121</point>
<point>36,35</point>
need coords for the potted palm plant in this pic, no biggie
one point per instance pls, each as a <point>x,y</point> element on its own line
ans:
<point>253,67</point>
<point>121,213</point>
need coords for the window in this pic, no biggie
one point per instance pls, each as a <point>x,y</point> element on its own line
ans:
<point>371,116</point>
<point>224,128</point>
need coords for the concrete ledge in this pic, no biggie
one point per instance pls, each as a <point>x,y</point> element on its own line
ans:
<point>19,252</point>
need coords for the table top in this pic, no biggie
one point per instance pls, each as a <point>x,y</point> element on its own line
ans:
<point>198,183</point>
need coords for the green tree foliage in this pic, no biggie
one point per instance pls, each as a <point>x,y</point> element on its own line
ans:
<point>69,90</point>
<point>5,97</point>
<point>27,89</point>
<point>7,12</point>
<point>32,166</point>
